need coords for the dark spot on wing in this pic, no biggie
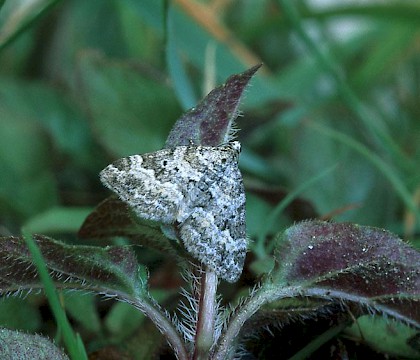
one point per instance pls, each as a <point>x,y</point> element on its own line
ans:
<point>122,164</point>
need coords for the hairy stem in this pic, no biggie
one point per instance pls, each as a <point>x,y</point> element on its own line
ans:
<point>226,345</point>
<point>207,311</point>
<point>164,325</point>
<point>226,348</point>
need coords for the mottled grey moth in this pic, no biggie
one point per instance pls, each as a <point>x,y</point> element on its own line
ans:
<point>199,190</point>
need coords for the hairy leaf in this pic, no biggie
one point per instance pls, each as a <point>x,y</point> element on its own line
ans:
<point>335,271</point>
<point>210,123</point>
<point>386,336</point>
<point>109,270</point>
<point>112,271</point>
<point>365,265</point>
<point>18,345</point>
<point>112,217</point>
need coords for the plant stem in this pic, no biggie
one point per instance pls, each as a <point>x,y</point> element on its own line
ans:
<point>152,310</point>
<point>226,343</point>
<point>207,308</point>
<point>164,325</point>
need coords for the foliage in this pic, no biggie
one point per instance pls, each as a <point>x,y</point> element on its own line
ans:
<point>329,131</point>
<point>26,346</point>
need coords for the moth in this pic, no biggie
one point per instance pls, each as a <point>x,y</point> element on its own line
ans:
<point>198,190</point>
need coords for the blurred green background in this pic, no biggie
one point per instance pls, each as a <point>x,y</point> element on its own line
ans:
<point>330,125</point>
<point>332,118</point>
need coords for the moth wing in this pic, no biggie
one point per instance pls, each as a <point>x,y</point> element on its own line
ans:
<point>215,232</point>
<point>199,188</point>
<point>159,185</point>
<point>144,186</point>
<point>220,175</point>
<point>218,249</point>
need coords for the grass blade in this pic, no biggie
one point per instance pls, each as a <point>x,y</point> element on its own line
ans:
<point>72,341</point>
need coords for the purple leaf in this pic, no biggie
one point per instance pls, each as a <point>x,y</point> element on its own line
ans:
<point>366,265</point>
<point>107,270</point>
<point>210,122</point>
<point>110,271</point>
<point>332,271</point>
<point>112,217</point>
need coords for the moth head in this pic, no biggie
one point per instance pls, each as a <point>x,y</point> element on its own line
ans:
<point>235,145</point>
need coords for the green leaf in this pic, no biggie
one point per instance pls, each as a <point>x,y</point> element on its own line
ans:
<point>16,16</point>
<point>123,320</point>
<point>57,220</point>
<point>145,343</point>
<point>386,335</point>
<point>17,345</point>
<point>177,69</point>
<point>150,11</point>
<point>82,308</point>
<point>18,314</point>
<point>56,116</point>
<point>126,103</point>
<point>27,183</point>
